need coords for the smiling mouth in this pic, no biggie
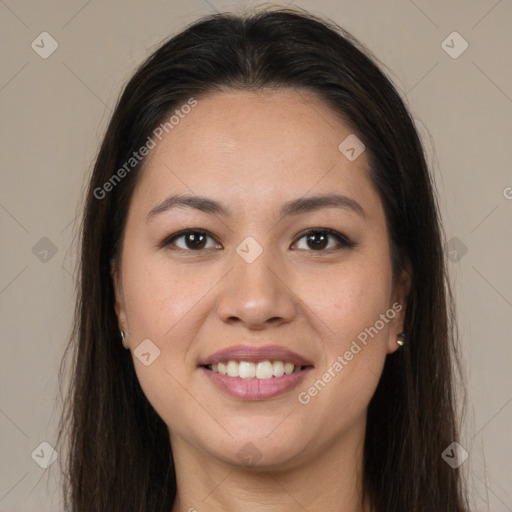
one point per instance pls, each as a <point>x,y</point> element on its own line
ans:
<point>260,370</point>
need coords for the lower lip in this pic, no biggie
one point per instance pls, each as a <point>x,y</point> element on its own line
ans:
<point>255,389</point>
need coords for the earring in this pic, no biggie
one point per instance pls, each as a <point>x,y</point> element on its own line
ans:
<point>401,340</point>
<point>122,339</point>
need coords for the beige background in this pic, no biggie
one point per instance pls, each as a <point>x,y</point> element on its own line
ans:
<point>54,112</point>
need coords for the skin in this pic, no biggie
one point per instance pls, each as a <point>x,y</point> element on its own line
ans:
<point>252,152</point>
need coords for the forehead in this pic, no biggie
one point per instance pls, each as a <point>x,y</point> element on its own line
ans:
<point>269,145</point>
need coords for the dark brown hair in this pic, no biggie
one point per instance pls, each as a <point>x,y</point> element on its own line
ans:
<point>120,457</point>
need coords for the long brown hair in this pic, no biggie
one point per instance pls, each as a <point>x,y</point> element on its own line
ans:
<point>119,455</point>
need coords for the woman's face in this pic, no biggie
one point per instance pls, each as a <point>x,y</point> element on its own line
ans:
<point>254,280</point>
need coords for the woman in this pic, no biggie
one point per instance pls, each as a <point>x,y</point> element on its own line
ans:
<point>264,320</point>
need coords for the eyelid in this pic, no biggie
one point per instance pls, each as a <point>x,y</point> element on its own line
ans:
<point>179,234</point>
<point>343,240</point>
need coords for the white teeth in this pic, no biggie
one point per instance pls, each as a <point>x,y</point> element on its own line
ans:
<point>246,370</point>
<point>288,368</point>
<point>262,370</point>
<point>232,369</point>
<point>278,368</point>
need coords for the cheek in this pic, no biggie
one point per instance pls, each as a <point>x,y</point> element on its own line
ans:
<point>158,296</point>
<point>168,306</point>
<point>160,307</point>
<point>350,299</point>
<point>354,335</point>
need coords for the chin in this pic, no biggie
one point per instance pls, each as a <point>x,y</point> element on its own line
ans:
<point>253,452</point>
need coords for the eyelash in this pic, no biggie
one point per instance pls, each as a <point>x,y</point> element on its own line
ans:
<point>342,240</point>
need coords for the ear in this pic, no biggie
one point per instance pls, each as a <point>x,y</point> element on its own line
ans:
<point>119,303</point>
<point>398,306</point>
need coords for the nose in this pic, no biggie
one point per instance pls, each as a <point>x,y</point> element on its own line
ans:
<point>257,295</point>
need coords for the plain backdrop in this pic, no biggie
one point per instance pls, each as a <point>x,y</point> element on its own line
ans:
<point>54,110</point>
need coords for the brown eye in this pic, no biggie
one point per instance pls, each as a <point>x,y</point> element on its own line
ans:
<point>193,240</point>
<point>318,240</point>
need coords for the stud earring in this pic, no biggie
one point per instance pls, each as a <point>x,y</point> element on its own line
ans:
<point>401,340</point>
<point>122,339</point>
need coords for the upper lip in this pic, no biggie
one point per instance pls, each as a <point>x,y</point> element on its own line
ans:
<point>256,354</point>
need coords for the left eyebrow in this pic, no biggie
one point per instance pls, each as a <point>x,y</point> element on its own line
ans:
<point>311,203</point>
<point>294,207</point>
